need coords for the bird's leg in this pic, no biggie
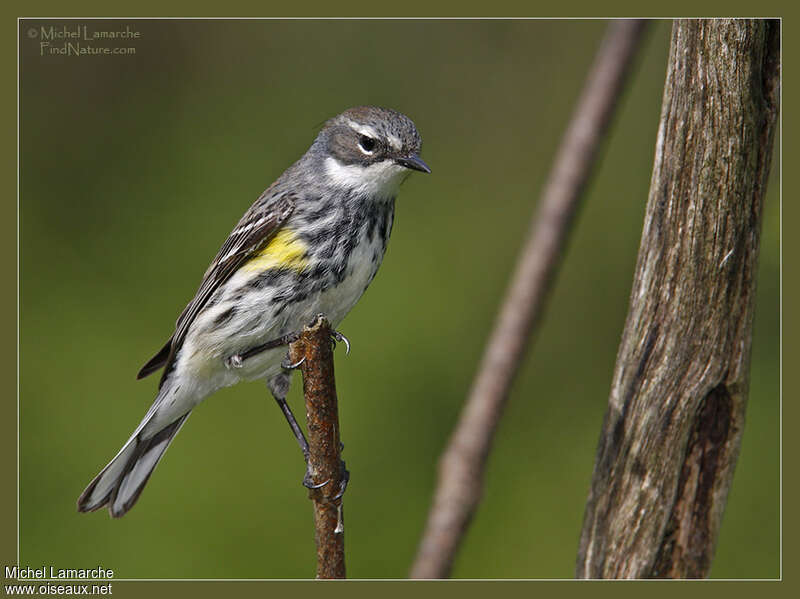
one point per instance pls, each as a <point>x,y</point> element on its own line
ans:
<point>279,387</point>
<point>237,360</point>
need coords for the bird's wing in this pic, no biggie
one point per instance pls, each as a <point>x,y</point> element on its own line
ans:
<point>253,232</point>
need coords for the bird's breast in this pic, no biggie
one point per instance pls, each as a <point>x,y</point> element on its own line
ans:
<point>352,266</point>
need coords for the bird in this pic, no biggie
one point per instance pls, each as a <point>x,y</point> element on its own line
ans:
<point>310,244</point>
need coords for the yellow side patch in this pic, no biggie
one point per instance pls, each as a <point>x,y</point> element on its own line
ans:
<point>284,250</point>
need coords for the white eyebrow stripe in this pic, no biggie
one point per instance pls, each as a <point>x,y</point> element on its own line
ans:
<point>395,142</point>
<point>363,129</point>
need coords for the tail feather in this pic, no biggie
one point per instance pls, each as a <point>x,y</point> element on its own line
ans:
<point>157,361</point>
<point>120,483</point>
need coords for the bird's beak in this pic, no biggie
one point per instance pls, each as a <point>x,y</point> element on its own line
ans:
<point>414,162</point>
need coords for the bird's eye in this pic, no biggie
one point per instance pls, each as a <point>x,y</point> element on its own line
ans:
<point>367,144</point>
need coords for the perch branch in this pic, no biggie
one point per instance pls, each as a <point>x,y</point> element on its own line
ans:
<point>315,349</point>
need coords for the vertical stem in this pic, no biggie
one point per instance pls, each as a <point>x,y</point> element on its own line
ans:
<point>315,349</point>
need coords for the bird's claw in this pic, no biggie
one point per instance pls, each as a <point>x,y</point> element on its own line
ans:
<point>286,364</point>
<point>337,336</point>
<point>309,483</point>
<point>308,480</point>
<point>343,483</point>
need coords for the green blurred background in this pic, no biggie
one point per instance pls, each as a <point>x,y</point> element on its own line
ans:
<point>135,168</point>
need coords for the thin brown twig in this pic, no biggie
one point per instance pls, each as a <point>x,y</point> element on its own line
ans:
<point>463,463</point>
<point>314,348</point>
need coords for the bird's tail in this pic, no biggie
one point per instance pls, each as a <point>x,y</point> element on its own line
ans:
<point>120,483</point>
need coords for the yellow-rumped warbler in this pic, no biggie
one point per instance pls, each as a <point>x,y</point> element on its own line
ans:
<point>310,244</point>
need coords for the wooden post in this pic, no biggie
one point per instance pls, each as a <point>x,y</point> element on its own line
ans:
<point>672,431</point>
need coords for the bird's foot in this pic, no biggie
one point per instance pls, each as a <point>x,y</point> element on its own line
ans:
<point>287,364</point>
<point>309,483</point>
<point>337,336</point>
<point>343,483</point>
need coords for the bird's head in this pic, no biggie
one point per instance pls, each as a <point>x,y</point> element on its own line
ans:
<point>369,150</point>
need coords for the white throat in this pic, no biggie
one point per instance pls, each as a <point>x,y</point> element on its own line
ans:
<point>379,180</point>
